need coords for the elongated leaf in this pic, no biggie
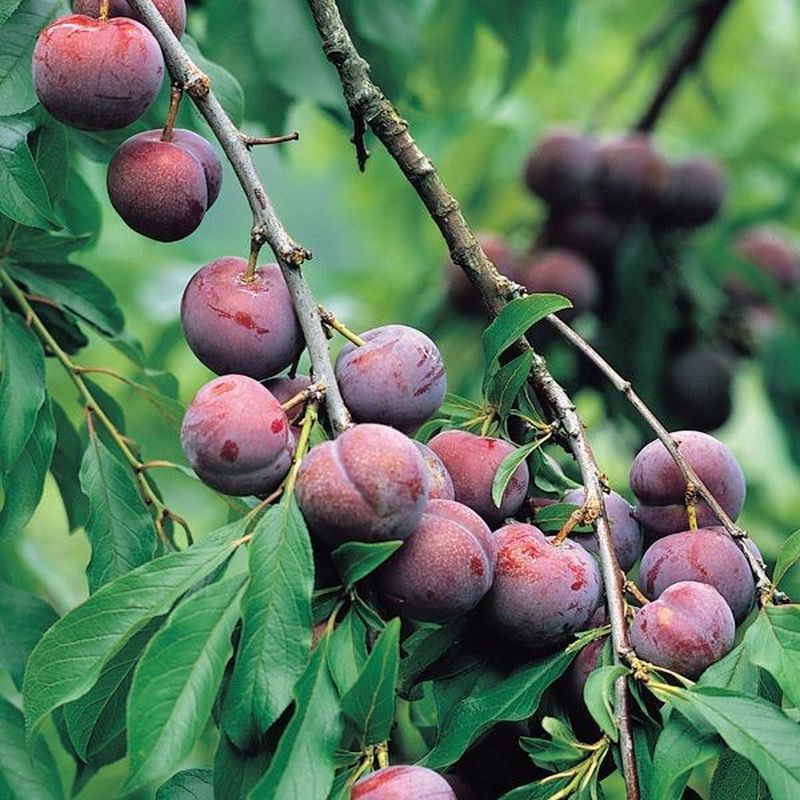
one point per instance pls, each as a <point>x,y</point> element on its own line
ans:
<point>68,660</point>
<point>789,556</point>
<point>735,778</point>
<point>504,385</point>
<point>425,647</point>
<point>23,620</point>
<point>276,633</point>
<point>773,642</point>
<point>356,560</point>
<point>119,527</point>
<point>177,680</point>
<point>22,389</point>
<point>598,693</point>
<point>347,653</point>
<point>24,483</point>
<point>235,772</point>
<point>537,790</point>
<point>512,699</point>
<point>370,702</point>
<point>7,8</point>
<point>515,319</point>
<point>24,774</point>
<point>190,784</point>
<point>508,466</point>
<point>65,468</point>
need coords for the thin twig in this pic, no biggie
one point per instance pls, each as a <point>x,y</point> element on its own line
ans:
<point>254,141</point>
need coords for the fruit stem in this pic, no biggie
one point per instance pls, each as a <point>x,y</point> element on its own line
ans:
<point>175,97</point>
<point>690,498</point>
<point>256,243</point>
<point>330,321</point>
<point>252,141</point>
<point>309,419</point>
<point>104,8</point>
<point>315,391</point>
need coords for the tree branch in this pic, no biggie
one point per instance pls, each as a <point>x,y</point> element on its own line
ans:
<point>368,106</point>
<point>267,227</point>
<point>707,15</point>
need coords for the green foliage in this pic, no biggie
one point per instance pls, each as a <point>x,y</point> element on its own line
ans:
<point>356,560</point>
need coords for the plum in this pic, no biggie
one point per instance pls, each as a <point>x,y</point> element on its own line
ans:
<point>396,377</point>
<point>772,254</point>
<point>370,484</point>
<point>660,487</point>
<point>444,567</point>
<point>440,483</point>
<point>625,531</point>
<point>688,628</point>
<point>173,11</point>
<point>233,325</point>
<point>699,386</point>
<point>542,593</point>
<point>586,229</point>
<point>692,194</point>
<point>284,389</point>
<point>561,167</point>
<point>205,153</point>
<point>73,78</point>
<point>403,782</point>
<point>706,555</point>
<point>562,272</point>
<point>472,462</point>
<point>236,436</point>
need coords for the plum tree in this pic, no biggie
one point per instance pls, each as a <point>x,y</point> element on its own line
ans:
<point>236,436</point>
<point>369,484</point>
<point>472,462</point>
<point>444,567</point>
<point>705,555</point>
<point>396,377</point>
<point>661,488</point>
<point>698,383</point>
<point>625,531</point>
<point>234,325</point>
<point>173,11</point>
<point>158,187</point>
<point>561,167</point>
<point>564,272</point>
<point>440,483</point>
<point>688,628</point>
<point>71,79</point>
<point>692,195</point>
<point>542,593</point>
<point>402,782</point>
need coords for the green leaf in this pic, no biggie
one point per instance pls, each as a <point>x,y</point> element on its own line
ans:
<point>22,389</point>
<point>370,702</point>
<point>177,679</point>
<point>25,774</point>
<point>276,616</point>
<point>425,647</point>
<point>356,560</point>
<point>65,467</point>
<point>553,518</point>
<point>24,484</point>
<point>23,620</point>
<point>516,319</point>
<point>773,642</point>
<point>190,784</point>
<point>7,8</point>
<point>225,86</point>
<point>17,38</point>
<point>235,772</point>
<point>503,386</point>
<point>537,790</point>
<point>598,692</point>
<point>75,288</point>
<point>23,195</point>
<point>735,778</point>
<point>508,466</point>
<point>305,759</point>
<point>120,528</point>
<point>789,556</point>
<point>69,659</point>
<point>347,652</point>
<point>511,699</point>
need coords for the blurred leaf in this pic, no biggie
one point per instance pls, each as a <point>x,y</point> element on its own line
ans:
<point>23,620</point>
<point>223,84</point>
<point>356,560</point>
<point>276,634</point>
<point>555,18</point>
<point>735,778</point>
<point>190,784</point>
<point>347,652</point>
<point>503,386</point>
<point>391,24</point>
<point>598,694</point>
<point>177,679</point>
<point>65,467</point>
<point>69,659</point>
<point>789,556</point>
<point>773,642</point>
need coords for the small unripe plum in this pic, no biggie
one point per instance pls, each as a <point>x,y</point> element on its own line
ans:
<point>705,555</point>
<point>96,74</point>
<point>444,567</point>
<point>661,488</point>
<point>772,254</point>
<point>699,386</point>
<point>396,377</point>
<point>631,175</point>
<point>403,782</point>
<point>585,229</point>
<point>692,195</point>
<point>247,327</point>
<point>173,11</point>
<point>472,462</point>
<point>689,628</point>
<point>461,293</point>
<point>440,483</point>
<point>563,272</point>
<point>236,436</point>
<point>625,531</point>
<point>159,188</point>
<point>370,484</point>
<point>561,167</point>
<point>542,593</point>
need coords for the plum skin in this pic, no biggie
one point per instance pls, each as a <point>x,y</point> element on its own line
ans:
<point>396,377</point>
<point>472,462</point>
<point>369,484</point>
<point>236,436</point>
<point>444,567</point>
<point>232,325</point>
<point>562,272</point>
<point>74,84</point>
<point>403,782</point>
<point>173,11</point>
<point>440,484</point>
<point>542,593</point>
<point>561,167</point>
<point>688,628</point>
<point>159,188</point>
